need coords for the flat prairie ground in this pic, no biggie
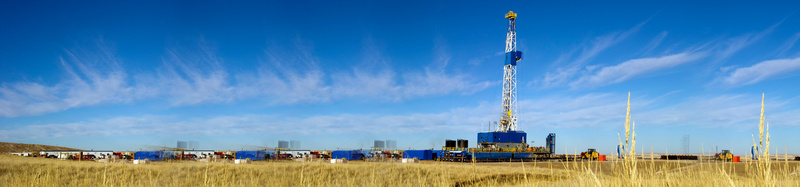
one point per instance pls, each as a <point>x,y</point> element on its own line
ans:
<point>28,171</point>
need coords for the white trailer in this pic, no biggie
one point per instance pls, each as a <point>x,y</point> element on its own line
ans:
<point>298,153</point>
<point>21,154</point>
<point>66,154</point>
<point>99,154</point>
<point>58,154</point>
<point>200,153</point>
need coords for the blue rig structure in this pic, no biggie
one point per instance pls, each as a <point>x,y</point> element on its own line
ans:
<point>498,146</point>
<point>505,142</point>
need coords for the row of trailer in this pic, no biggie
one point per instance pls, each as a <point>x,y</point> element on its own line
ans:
<point>161,155</point>
<point>492,146</point>
<point>253,155</point>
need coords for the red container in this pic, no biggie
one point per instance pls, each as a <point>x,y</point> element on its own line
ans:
<point>602,158</point>
<point>736,159</point>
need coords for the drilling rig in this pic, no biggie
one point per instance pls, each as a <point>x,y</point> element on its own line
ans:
<point>506,135</point>
<point>503,142</point>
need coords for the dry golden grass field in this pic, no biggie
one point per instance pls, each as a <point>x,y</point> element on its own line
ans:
<point>30,171</point>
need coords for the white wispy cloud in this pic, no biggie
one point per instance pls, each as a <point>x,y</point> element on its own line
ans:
<point>760,71</point>
<point>561,111</point>
<point>193,78</point>
<point>198,76</point>
<point>458,119</point>
<point>564,74</point>
<point>90,80</point>
<point>479,60</point>
<point>593,110</point>
<point>578,74</point>
<point>786,46</point>
<point>607,110</point>
<point>289,76</point>
<point>378,80</point>
<point>655,42</point>
<point>590,110</point>
<point>741,111</point>
<point>633,68</point>
<point>373,78</point>
<point>736,44</point>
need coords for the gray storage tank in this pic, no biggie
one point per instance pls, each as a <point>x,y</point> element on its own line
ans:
<point>462,143</point>
<point>283,144</point>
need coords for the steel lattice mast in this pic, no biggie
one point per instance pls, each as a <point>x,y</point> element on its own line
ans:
<point>508,117</point>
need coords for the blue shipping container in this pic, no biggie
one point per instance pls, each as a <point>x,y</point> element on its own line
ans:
<point>269,154</point>
<point>152,155</point>
<point>503,137</point>
<point>419,154</point>
<point>252,155</point>
<point>366,154</point>
<point>349,155</point>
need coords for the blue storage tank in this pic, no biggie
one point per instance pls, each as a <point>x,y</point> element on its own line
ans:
<point>252,155</point>
<point>349,155</point>
<point>152,155</point>
<point>419,154</point>
<point>551,143</point>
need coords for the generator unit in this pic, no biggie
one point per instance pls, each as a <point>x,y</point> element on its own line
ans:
<point>498,139</point>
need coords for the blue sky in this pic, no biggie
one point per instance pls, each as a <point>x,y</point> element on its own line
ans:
<point>337,75</point>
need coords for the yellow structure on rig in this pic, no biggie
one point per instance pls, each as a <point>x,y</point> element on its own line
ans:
<point>511,15</point>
